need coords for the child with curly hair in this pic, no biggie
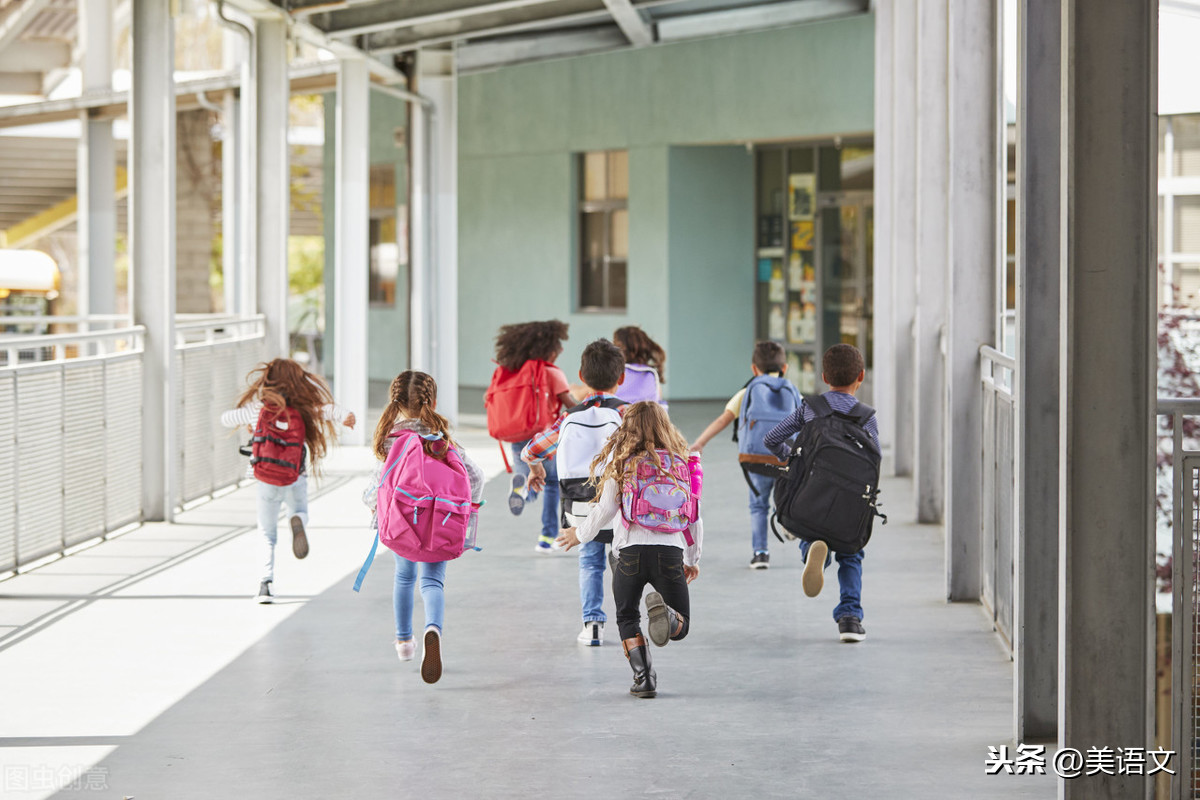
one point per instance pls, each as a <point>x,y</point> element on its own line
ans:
<point>515,345</point>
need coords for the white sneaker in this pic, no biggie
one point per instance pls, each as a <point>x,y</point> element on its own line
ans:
<point>592,634</point>
<point>406,650</point>
<point>813,577</point>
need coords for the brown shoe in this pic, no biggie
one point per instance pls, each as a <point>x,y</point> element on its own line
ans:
<point>299,540</point>
<point>431,658</point>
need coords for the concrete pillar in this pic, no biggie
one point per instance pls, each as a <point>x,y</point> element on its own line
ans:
<point>352,216</point>
<point>1106,570</point>
<point>438,82</point>
<point>96,171</point>
<point>152,244</point>
<point>884,372</point>
<point>929,374</point>
<point>273,190</point>
<point>1035,579</point>
<point>975,147</point>
<point>904,228</point>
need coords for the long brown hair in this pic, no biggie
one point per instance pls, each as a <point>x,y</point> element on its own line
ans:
<point>283,383</point>
<point>413,394</point>
<point>645,430</point>
<point>639,348</point>
<point>518,343</point>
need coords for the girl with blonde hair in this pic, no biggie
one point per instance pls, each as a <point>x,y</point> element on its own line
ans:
<point>646,448</point>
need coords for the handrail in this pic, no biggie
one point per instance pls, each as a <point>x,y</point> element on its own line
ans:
<point>223,322</point>
<point>1179,405</point>
<point>25,342</point>
<point>51,319</point>
<point>996,357</point>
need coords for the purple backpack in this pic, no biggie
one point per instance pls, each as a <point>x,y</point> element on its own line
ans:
<point>641,383</point>
<point>663,500</point>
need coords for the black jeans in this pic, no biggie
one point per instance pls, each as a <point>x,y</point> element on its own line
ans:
<point>661,566</point>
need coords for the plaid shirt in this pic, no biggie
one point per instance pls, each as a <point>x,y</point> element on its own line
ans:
<point>838,401</point>
<point>543,445</point>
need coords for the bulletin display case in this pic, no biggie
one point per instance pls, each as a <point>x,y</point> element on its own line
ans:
<point>813,268</point>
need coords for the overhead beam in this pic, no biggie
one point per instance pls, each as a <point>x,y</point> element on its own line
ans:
<point>636,29</point>
<point>406,40</point>
<point>56,217</point>
<point>372,19</point>
<point>20,82</point>
<point>486,55</point>
<point>775,15</point>
<point>18,20</point>
<point>39,56</point>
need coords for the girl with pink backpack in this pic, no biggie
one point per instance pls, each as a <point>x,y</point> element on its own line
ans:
<point>425,495</point>
<point>648,477</point>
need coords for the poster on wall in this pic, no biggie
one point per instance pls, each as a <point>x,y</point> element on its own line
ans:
<point>802,235</point>
<point>801,196</point>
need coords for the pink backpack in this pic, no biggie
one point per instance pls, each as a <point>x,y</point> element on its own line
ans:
<point>665,500</point>
<point>641,383</point>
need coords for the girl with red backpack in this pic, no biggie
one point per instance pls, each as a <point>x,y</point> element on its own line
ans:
<point>292,415</point>
<point>430,475</point>
<point>526,395</point>
<point>648,477</point>
<point>645,365</point>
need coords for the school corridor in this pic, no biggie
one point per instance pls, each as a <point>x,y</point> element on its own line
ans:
<point>141,668</point>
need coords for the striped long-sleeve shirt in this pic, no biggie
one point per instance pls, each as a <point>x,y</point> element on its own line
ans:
<point>791,425</point>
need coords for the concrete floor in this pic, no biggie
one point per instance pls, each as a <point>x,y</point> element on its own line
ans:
<point>141,668</point>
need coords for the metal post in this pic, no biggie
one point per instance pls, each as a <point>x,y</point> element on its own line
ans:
<point>273,182</point>
<point>904,227</point>
<point>352,257</point>
<point>152,244</point>
<point>96,170</point>
<point>973,140</point>
<point>1107,347</point>
<point>883,367</point>
<point>422,270</point>
<point>1167,246</point>
<point>929,375</point>
<point>1035,582</point>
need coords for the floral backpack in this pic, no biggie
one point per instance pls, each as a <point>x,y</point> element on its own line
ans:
<point>663,499</point>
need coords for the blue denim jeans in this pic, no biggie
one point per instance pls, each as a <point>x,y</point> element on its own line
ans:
<point>433,581</point>
<point>591,581</point>
<point>549,494</point>
<point>760,510</point>
<point>270,498</point>
<point>849,580</point>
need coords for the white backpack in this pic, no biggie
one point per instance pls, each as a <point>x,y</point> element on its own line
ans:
<point>582,435</point>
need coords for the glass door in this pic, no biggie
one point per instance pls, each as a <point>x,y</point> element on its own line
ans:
<point>846,233</point>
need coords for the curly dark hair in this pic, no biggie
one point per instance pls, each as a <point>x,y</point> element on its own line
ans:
<point>639,348</point>
<point>841,365</point>
<point>520,342</point>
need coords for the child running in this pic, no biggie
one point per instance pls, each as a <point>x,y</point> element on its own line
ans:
<point>292,414</point>
<point>645,365</point>
<point>647,457</point>
<point>517,346</point>
<point>412,404</point>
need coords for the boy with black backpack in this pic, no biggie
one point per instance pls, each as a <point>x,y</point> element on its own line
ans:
<point>765,401</point>
<point>828,498</point>
<point>572,443</point>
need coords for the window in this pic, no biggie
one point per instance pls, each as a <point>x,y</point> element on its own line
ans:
<point>603,230</point>
<point>388,239</point>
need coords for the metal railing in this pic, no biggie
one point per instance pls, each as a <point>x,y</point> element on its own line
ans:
<point>1185,601</point>
<point>71,407</point>
<point>999,488</point>
<point>213,357</point>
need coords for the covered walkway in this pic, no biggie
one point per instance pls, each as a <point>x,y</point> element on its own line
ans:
<point>169,682</point>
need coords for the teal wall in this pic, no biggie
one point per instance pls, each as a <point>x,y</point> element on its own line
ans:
<point>387,327</point>
<point>691,209</point>
<point>710,232</point>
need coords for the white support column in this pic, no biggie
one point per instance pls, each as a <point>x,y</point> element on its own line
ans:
<point>904,229</point>
<point>974,145</point>
<point>273,181</point>
<point>231,261</point>
<point>352,143</point>
<point>439,83</point>
<point>1035,579</point>
<point>883,366</point>
<point>96,170</point>
<point>421,270</point>
<point>929,375</point>
<point>1107,389</point>
<point>152,244</point>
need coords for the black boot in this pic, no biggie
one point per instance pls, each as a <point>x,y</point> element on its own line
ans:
<point>665,622</point>
<point>644,679</point>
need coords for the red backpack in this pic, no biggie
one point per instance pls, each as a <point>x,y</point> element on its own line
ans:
<point>518,403</point>
<point>277,449</point>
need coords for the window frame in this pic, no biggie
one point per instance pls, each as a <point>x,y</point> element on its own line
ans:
<point>606,208</point>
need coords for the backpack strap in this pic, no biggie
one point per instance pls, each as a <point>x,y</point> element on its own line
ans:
<point>860,414</point>
<point>362,573</point>
<point>819,405</point>
<point>606,402</point>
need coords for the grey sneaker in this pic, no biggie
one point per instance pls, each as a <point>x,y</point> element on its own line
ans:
<point>299,539</point>
<point>760,561</point>
<point>264,593</point>
<point>813,577</point>
<point>851,630</point>
<point>516,494</point>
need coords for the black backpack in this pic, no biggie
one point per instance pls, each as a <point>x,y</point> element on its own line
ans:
<point>830,488</point>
